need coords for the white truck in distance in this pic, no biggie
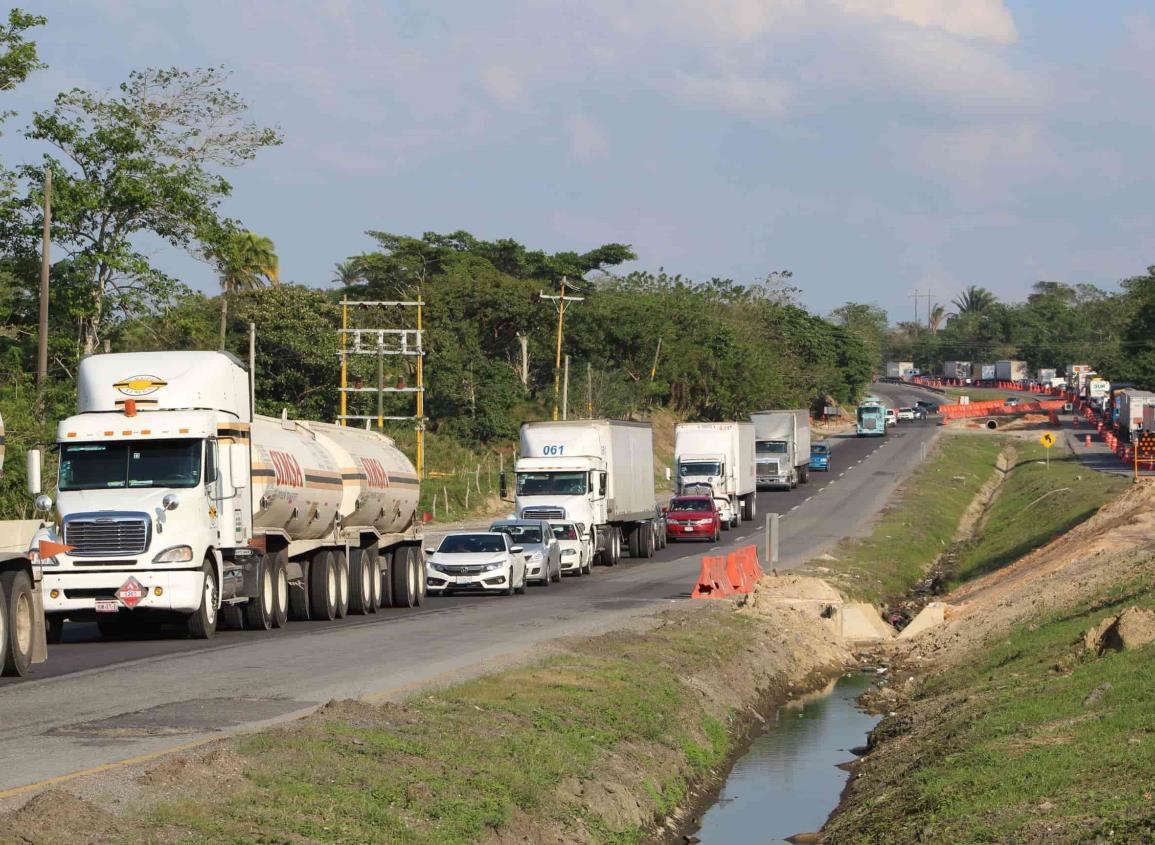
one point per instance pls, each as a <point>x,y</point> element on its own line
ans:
<point>177,504</point>
<point>782,447</point>
<point>22,632</point>
<point>720,456</point>
<point>597,473</point>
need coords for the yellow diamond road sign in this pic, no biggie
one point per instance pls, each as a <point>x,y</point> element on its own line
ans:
<point>1047,440</point>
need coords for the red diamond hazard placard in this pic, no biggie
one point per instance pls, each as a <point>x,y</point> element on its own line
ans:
<point>131,592</point>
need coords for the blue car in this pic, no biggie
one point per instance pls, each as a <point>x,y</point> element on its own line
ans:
<point>820,457</point>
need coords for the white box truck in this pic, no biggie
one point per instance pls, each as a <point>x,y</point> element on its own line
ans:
<point>1011,371</point>
<point>721,456</point>
<point>899,369</point>
<point>177,504</point>
<point>782,448</point>
<point>1131,405</point>
<point>598,473</point>
<point>958,370</point>
<point>23,638</point>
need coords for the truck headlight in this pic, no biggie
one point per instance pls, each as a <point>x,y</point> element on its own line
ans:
<point>175,554</point>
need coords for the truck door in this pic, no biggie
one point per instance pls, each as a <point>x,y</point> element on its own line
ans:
<point>233,493</point>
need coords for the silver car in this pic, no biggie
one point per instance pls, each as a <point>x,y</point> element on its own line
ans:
<point>542,550</point>
<point>576,547</point>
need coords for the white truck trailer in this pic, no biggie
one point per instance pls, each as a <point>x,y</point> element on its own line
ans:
<point>1131,409</point>
<point>721,456</point>
<point>782,448</point>
<point>958,370</point>
<point>177,504</point>
<point>1011,371</point>
<point>899,369</point>
<point>597,473</point>
<point>22,632</point>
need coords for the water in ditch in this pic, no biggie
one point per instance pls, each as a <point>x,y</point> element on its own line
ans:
<point>788,783</point>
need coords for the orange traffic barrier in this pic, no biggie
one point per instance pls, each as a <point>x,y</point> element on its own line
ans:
<point>713,582</point>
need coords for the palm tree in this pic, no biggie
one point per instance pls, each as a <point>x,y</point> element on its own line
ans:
<point>937,317</point>
<point>347,273</point>
<point>248,262</point>
<point>974,300</point>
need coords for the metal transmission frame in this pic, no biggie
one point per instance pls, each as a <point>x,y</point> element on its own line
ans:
<point>381,343</point>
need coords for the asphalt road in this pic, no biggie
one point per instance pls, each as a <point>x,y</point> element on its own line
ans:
<point>95,702</point>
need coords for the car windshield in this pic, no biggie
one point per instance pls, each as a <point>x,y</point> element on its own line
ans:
<point>551,483</point>
<point>819,450</point>
<point>140,463</point>
<point>463,544</point>
<point>689,505</point>
<point>687,468</point>
<point>520,533</point>
<point>770,447</point>
<point>565,532</point>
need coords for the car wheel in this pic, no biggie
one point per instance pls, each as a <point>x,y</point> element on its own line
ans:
<point>588,569</point>
<point>510,589</point>
<point>557,573</point>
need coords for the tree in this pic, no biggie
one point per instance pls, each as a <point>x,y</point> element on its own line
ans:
<point>938,316</point>
<point>347,273</point>
<point>140,161</point>
<point>974,300</point>
<point>248,261</point>
<point>18,56</point>
<point>868,321</point>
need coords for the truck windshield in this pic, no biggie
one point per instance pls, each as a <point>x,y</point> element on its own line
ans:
<point>140,463</point>
<point>700,468</point>
<point>868,411</point>
<point>552,483</point>
<point>770,447</point>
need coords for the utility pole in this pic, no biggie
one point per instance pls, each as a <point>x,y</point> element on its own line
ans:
<point>561,305</point>
<point>916,296</point>
<point>45,264</point>
<point>565,392</point>
<point>657,352</point>
<point>524,340</point>
<point>589,391</point>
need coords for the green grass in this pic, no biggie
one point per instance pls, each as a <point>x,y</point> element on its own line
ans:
<point>452,767</point>
<point>1035,504</point>
<point>1016,755</point>
<point>910,534</point>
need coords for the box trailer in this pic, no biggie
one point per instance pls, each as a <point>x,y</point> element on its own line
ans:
<point>899,369</point>
<point>958,370</point>
<point>721,456</point>
<point>1011,371</point>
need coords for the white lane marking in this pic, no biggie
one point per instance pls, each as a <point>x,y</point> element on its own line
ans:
<point>808,498</point>
<point>794,508</point>
<point>839,475</point>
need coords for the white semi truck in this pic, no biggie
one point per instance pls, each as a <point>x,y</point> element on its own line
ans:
<point>721,456</point>
<point>782,447</point>
<point>176,503</point>
<point>597,473</point>
<point>22,631</point>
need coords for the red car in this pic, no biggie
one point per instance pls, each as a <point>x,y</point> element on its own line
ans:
<point>693,518</point>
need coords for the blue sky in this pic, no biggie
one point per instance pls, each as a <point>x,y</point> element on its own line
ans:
<point>870,146</point>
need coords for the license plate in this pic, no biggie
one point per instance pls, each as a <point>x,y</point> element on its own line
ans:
<point>107,606</point>
<point>688,529</point>
<point>465,579</point>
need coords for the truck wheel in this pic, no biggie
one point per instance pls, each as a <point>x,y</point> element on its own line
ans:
<point>16,590</point>
<point>805,475</point>
<point>299,594</point>
<point>231,617</point>
<point>341,569</point>
<point>54,629</point>
<point>361,580</point>
<point>385,582</point>
<point>749,507</point>
<point>279,563</point>
<point>635,541</point>
<point>373,563</point>
<point>736,519</point>
<point>203,622</point>
<point>322,587</point>
<point>619,544</point>
<point>419,574</point>
<point>401,572</point>
<point>260,608</point>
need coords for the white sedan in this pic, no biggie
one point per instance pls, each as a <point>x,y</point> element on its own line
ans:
<point>577,555</point>
<point>906,414</point>
<point>479,561</point>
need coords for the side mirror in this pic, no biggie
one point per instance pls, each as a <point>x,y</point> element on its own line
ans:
<point>517,549</point>
<point>239,470</point>
<point>503,488</point>
<point>429,551</point>
<point>35,463</point>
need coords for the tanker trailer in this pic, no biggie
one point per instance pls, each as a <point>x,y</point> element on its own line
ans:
<point>176,504</point>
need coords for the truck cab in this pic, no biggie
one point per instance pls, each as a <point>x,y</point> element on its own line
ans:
<point>699,470</point>
<point>571,489</point>
<point>774,466</point>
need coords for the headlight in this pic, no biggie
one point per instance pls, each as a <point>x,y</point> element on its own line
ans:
<point>568,552</point>
<point>490,567</point>
<point>436,567</point>
<point>702,521</point>
<point>536,557</point>
<point>176,554</point>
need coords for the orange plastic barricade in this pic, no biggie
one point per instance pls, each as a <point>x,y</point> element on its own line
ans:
<point>712,581</point>
<point>743,570</point>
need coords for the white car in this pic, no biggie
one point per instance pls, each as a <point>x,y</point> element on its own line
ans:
<point>577,555</point>
<point>906,414</point>
<point>725,512</point>
<point>891,417</point>
<point>480,561</point>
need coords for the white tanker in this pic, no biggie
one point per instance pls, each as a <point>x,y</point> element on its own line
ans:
<point>176,503</point>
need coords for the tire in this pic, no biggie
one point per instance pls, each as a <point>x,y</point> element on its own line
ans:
<point>401,574</point>
<point>231,617</point>
<point>203,622</point>
<point>373,562</point>
<point>635,541</point>
<point>21,624</point>
<point>419,574</point>
<point>341,567</point>
<point>557,574</point>
<point>385,579</point>
<point>749,506</point>
<point>510,588</point>
<point>805,475</point>
<point>280,588</point>
<point>361,580</point>
<point>260,609</point>
<point>323,587</point>
<point>613,545</point>
<point>54,629</point>
<point>299,595</point>
<point>588,568</point>
<point>647,540</point>
<point>717,536</point>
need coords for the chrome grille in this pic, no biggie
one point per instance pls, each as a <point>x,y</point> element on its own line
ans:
<point>543,513</point>
<point>106,536</point>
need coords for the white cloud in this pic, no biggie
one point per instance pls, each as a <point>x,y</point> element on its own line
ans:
<point>748,95</point>
<point>502,83</point>
<point>587,140</point>
<point>989,20</point>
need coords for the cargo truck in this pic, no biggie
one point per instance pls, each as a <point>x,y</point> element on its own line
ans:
<point>721,456</point>
<point>982,372</point>
<point>958,370</point>
<point>597,473</point>
<point>23,639</point>
<point>1077,375</point>
<point>1011,371</point>
<point>1131,404</point>
<point>1047,375</point>
<point>178,504</point>
<point>1096,391</point>
<point>782,448</point>
<point>899,369</point>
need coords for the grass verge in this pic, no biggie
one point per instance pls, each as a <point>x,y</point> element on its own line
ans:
<point>909,535</point>
<point>1032,741</point>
